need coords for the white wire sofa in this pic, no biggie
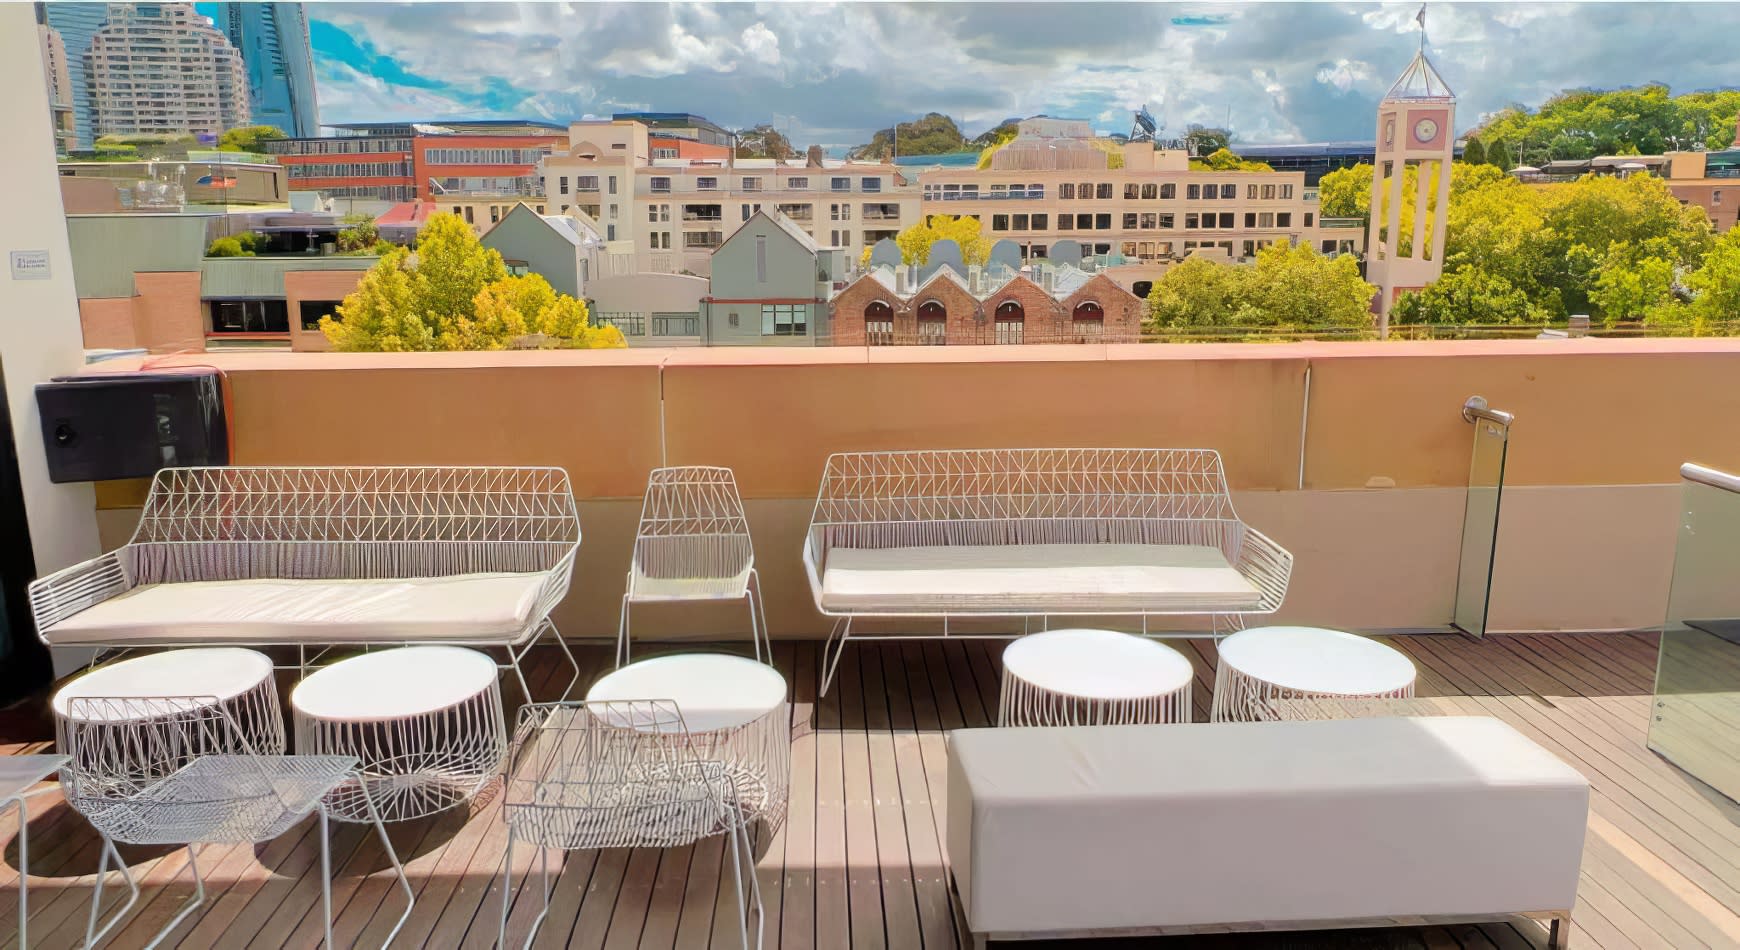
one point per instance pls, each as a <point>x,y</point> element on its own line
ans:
<point>322,557</point>
<point>1034,533</point>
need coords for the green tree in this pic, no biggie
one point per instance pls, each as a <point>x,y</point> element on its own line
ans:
<point>1473,152</point>
<point>764,141</point>
<point>1714,289</point>
<point>996,135</point>
<point>455,294</point>
<point>1631,287</point>
<point>1467,297</point>
<point>1225,160</point>
<point>1498,155</point>
<point>1202,140</point>
<point>227,247</point>
<point>1345,192</point>
<point>247,138</point>
<point>1288,286</point>
<point>935,134</point>
<point>360,238</point>
<point>916,240</point>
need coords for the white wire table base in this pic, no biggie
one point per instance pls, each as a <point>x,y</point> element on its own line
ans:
<point>1024,704</point>
<point>414,765</point>
<point>757,759</point>
<point>1240,697</point>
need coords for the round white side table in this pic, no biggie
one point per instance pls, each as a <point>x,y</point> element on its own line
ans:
<point>1262,671</point>
<point>1092,678</point>
<point>238,680</point>
<point>736,714</point>
<point>425,722</point>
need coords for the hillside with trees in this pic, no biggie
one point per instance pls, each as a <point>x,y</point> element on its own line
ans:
<point>764,141</point>
<point>1584,123</point>
<point>935,134</point>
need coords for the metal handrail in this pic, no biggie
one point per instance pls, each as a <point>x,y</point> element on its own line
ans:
<point>1476,408</point>
<point>1704,475</point>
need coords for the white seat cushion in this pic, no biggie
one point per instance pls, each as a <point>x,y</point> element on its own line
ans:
<point>478,607</point>
<point>1105,827</point>
<point>1036,578</point>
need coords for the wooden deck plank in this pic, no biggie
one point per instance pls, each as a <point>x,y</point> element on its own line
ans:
<point>888,813</point>
<point>930,879</point>
<point>795,928</point>
<point>833,914</point>
<point>863,871</point>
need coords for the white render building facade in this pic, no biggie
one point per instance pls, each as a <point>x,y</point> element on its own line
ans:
<point>161,68</point>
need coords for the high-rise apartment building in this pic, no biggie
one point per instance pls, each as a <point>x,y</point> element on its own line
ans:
<point>76,23</point>
<point>273,41</point>
<point>58,78</point>
<point>161,68</point>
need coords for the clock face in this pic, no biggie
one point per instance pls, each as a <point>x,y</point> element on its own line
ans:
<point>1389,131</point>
<point>1425,130</point>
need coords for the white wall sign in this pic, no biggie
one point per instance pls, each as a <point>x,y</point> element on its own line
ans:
<point>30,265</point>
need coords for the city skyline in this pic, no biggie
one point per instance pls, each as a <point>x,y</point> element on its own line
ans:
<point>834,74</point>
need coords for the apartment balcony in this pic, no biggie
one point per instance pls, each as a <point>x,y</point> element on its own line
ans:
<point>1356,457</point>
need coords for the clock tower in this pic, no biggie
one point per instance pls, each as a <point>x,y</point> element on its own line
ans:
<point>1414,130</point>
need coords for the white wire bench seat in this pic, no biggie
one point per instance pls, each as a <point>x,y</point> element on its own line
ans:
<point>327,556</point>
<point>1035,533</point>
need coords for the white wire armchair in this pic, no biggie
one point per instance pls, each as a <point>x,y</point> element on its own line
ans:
<point>315,557</point>
<point>179,770</point>
<point>618,774</point>
<point>1034,533</point>
<point>693,545</point>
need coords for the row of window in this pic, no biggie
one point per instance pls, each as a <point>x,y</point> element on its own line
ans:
<point>527,185</point>
<point>784,319</point>
<point>661,240</point>
<point>346,145</point>
<point>584,183</point>
<point>1141,220</point>
<point>1106,191</point>
<point>661,184</point>
<point>351,170</point>
<point>485,156</point>
<point>267,316</point>
<point>1253,191</point>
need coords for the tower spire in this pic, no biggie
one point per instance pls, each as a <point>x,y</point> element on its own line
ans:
<point>1420,18</point>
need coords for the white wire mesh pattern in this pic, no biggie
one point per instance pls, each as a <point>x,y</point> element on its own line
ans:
<point>1078,681</point>
<point>994,497</point>
<point>336,523</point>
<point>1323,669</point>
<point>618,774</point>
<point>693,543</point>
<point>1239,697</point>
<point>412,765</point>
<point>180,770</point>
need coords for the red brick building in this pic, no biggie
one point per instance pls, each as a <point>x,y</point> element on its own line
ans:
<point>887,307</point>
<point>416,161</point>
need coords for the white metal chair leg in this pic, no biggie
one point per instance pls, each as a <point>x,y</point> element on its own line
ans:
<point>622,635</point>
<point>93,935</point>
<point>326,874</point>
<point>573,664</point>
<point>507,892</point>
<point>392,855</point>
<point>17,801</point>
<point>192,903</point>
<point>743,852</point>
<point>758,617</point>
<point>831,651</point>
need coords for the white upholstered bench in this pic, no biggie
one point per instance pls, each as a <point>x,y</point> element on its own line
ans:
<point>317,557</point>
<point>1034,533</point>
<point>1121,830</point>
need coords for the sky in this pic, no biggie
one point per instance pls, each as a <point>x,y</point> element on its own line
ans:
<point>832,73</point>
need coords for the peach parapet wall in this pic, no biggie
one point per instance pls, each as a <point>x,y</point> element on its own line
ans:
<point>1602,426</point>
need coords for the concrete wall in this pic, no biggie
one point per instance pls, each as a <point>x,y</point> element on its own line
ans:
<point>1365,486</point>
<point>40,337</point>
<point>646,294</point>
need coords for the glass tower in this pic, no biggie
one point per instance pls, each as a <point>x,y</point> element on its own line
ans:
<point>77,23</point>
<point>273,40</point>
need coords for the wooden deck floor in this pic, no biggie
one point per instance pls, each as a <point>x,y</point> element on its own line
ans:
<point>860,865</point>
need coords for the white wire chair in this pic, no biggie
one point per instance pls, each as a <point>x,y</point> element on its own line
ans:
<point>355,523</point>
<point>976,498</point>
<point>618,774</point>
<point>179,770</point>
<point>693,545</point>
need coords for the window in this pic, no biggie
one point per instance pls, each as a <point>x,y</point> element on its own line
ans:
<point>660,240</point>
<point>1250,191</point>
<point>693,239</point>
<point>1037,251</point>
<point>840,184</point>
<point>613,184</point>
<point>932,324</point>
<point>563,184</point>
<point>468,218</point>
<point>999,222</point>
<point>1168,221</point>
<point>1020,222</point>
<point>250,316</point>
<point>784,319</point>
<point>840,238</point>
<point>1226,219</point>
<point>1266,219</point>
<point>1010,321</point>
<point>610,232</point>
<point>1190,221</point>
<point>1268,191</point>
<point>1066,190</point>
<point>1104,190</point>
<point>1229,191</point>
<point>797,182</point>
<point>878,324</point>
<point>482,156</point>
<point>652,213</point>
<point>494,213</point>
<point>1066,222</point>
<point>1193,191</point>
<point>1149,191</point>
<point>1103,222</point>
<point>516,268</point>
<point>1284,219</point>
<point>707,184</point>
<point>840,212</point>
<point>1327,247</point>
<point>310,312</point>
<point>661,186</point>
<point>1250,248</point>
<point>1286,191</point>
<point>1168,190</point>
<point>1251,219</point>
<point>1084,191</point>
<point>1131,190</point>
<point>1308,217</point>
<point>1129,220</point>
<point>1041,222</point>
<point>1149,220</point>
<point>752,184</point>
<point>870,185</point>
<point>590,183</point>
<point>702,213</point>
<point>613,212</point>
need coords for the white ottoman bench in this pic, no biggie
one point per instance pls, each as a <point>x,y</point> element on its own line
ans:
<point>1119,830</point>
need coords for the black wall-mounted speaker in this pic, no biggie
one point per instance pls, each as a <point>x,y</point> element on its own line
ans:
<point>131,425</point>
